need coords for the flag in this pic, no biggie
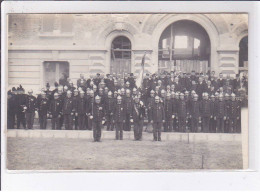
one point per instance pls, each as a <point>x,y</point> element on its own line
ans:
<point>139,79</point>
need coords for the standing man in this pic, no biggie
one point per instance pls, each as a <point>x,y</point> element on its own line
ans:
<point>138,117</point>
<point>42,110</point>
<point>220,111</point>
<point>89,105</point>
<point>30,106</point>
<point>55,109</point>
<point>11,110</point>
<point>119,118</point>
<point>98,118</point>
<point>158,118</point>
<point>75,98</point>
<point>109,109</point>
<point>82,82</point>
<point>80,110</point>
<point>205,112</point>
<point>182,113</point>
<point>233,114</point>
<point>169,114</point>
<point>68,111</point>
<point>129,109</point>
<point>195,114</point>
<point>21,100</point>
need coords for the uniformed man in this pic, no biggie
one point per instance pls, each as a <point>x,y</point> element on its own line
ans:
<point>43,110</point>
<point>138,114</point>
<point>195,114</point>
<point>30,107</point>
<point>169,113</point>
<point>119,118</point>
<point>150,104</point>
<point>89,105</point>
<point>182,113</point>
<point>220,114</point>
<point>55,111</point>
<point>75,98</point>
<point>157,118</point>
<point>233,114</point>
<point>82,82</point>
<point>97,117</point>
<point>212,122</point>
<point>227,103</point>
<point>205,112</point>
<point>109,110</point>
<point>21,100</point>
<point>11,109</point>
<point>80,110</point>
<point>68,111</point>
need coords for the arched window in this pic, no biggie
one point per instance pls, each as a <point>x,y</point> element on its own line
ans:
<point>243,53</point>
<point>121,55</point>
<point>184,46</point>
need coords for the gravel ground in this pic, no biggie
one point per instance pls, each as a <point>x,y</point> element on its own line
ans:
<point>78,154</point>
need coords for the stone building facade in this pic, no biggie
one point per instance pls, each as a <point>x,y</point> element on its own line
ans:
<point>41,47</point>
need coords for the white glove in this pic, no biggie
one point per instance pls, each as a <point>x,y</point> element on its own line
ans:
<point>131,120</point>
<point>173,116</point>
<point>103,122</point>
<point>91,117</point>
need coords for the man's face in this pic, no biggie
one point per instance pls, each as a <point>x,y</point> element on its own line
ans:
<point>68,95</point>
<point>92,94</point>
<point>43,95</point>
<point>128,94</point>
<point>97,100</point>
<point>81,95</point>
<point>76,93</point>
<point>195,98</point>
<point>220,98</point>
<point>156,100</point>
<point>119,101</point>
<point>30,93</point>
<point>182,97</point>
<point>137,100</point>
<point>56,97</point>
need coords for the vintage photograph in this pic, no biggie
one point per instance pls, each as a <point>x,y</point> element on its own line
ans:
<point>157,91</point>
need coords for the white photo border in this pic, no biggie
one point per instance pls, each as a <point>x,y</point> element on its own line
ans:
<point>155,180</point>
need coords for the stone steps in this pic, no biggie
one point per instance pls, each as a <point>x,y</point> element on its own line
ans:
<point>82,134</point>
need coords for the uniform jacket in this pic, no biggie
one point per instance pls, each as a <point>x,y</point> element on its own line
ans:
<point>158,114</point>
<point>138,111</point>
<point>220,109</point>
<point>233,109</point>
<point>98,112</point>
<point>80,105</point>
<point>195,109</point>
<point>168,108</point>
<point>55,107</point>
<point>43,105</point>
<point>110,105</point>
<point>119,113</point>
<point>182,108</point>
<point>30,104</point>
<point>68,106</point>
<point>205,108</point>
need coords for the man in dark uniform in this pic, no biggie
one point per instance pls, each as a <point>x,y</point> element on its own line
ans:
<point>97,79</point>
<point>182,113</point>
<point>212,122</point>
<point>89,104</point>
<point>30,106</point>
<point>205,112</point>
<point>227,104</point>
<point>200,88</point>
<point>220,114</point>
<point>221,80</point>
<point>75,98</point>
<point>98,118</point>
<point>68,111</point>
<point>158,118</point>
<point>169,114</point>
<point>11,110</point>
<point>21,100</point>
<point>55,109</point>
<point>150,104</point>
<point>47,91</point>
<point>42,110</point>
<point>109,109</point>
<point>119,118</point>
<point>138,117</point>
<point>233,114</point>
<point>80,110</point>
<point>56,85</point>
<point>195,114</point>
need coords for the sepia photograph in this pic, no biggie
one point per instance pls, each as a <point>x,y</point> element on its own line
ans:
<point>127,91</point>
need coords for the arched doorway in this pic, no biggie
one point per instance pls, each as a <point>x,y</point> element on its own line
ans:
<point>184,46</point>
<point>243,54</point>
<point>120,55</point>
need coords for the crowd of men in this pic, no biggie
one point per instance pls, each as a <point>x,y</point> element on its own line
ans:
<point>170,102</point>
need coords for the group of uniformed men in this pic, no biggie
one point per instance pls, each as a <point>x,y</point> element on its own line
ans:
<point>173,101</point>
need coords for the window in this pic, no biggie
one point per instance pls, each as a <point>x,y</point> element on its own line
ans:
<point>181,42</point>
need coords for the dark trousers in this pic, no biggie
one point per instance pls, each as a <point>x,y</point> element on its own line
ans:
<point>10,120</point>
<point>157,128</point>
<point>90,124</point>
<point>86,122</point>
<point>119,130</point>
<point>30,119</point>
<point>226,125</point>
<point>81,121</point>
<point>127,125</point>
<point>175,124</point>
<point>21,119</point>
<point>220,125</point>
<point>138,129</point>
<point>68,120</point>
<point>168,125</point>
<point>97,130</point>
<point>212,125</point>
<point>61,121</point>
<point>110,124</point>
<point>233,125</point>
<point>76,124</point>
<point>43,120</point>
<point>205,124</point>
<point>55,123</point>
<point>194,125</point>
<point>182,124</point>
